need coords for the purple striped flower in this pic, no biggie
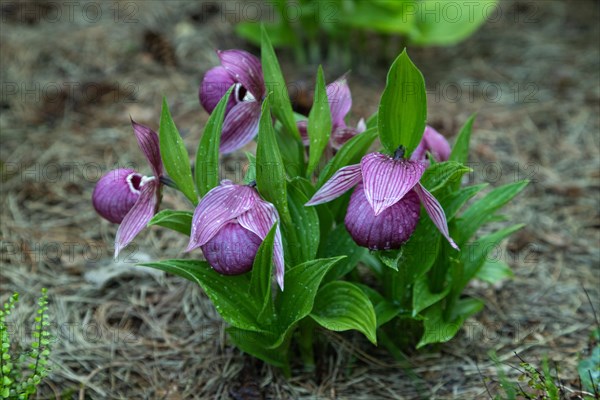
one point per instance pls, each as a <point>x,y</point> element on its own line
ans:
<point>229,225</point>
<point>384,208</point>
<point>434,143</point>
<point>125,197</point>
<point>340,102</point>
<point>243,71</point>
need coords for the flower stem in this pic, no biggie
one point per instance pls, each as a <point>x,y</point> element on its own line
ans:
<point>305,342</point>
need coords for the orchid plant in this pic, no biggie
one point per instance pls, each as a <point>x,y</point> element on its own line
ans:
<point>379,239</point>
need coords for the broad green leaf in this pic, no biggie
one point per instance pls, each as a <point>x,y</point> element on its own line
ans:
<point>228,293</point>
<point>466,307</point>
<point>414,259</point>
<point>390,258</point>
<point>383,16</point>
<point>452,202</point>
<point>479,212</point>
<point>180,221</point>
<point>270,173</point>
<point>251,172</point>
<point>439,24</point>
<point>279,33</point>
<point>292,152</point>
<point>493,271</point>
<point>403,107</point>
<point>260,281</point>
<point>305,225</point>
<point>475,254</point>
<point>174,155</point>
<point>319,123</point>
<point>385,310</point>
<point>301,285</point>
<point>442,174</point>
<point>418,254</point>
<point>422,296</point>
<point>341,306</point>
<point>460,151</point>
<point>339,243</point>
<point>438,330</point>
<point>207,156</point>
<point>282,108</point>
<point>257,344</point>
<point>351,153</point>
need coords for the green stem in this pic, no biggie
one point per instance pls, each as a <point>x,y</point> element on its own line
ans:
<point>439,269</point>
<point>306,332</point>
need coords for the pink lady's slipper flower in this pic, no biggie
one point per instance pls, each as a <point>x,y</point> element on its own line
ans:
<point>384,208</point>
<point>124,196</point>
<point>340,102</point>
<point>229,225</point>
<point>242,113</point>
<point>434,143</point>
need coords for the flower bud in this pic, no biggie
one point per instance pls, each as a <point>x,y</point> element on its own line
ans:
<point>386,231</point>
<point>116,193</point>
<point>232,250</point>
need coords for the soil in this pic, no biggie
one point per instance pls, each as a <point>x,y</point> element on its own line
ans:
<point>70,81</point>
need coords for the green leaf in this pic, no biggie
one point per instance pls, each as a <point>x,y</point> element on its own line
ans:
<point>385,310</point>
<point>301,285</point>
<point>339,243</point>
<point>304,229</point>
<point>207,156</point>
<point>251,172</point>
<point>279,33</point>
<point>403,106</point>
<point>441,174</point>
<point>257,344</point>
<point>341,306</point>
<point>387,17</point>
<point>270,173</point>
<point>475,254</point>
<point>260,281</point>
<point>319,123</point>
<point>174,155</point>
<point>436,329</point>
<point>282,108</point>
<point>453,201</point>
<point>460,151</point>
<point>493,271</point>
<point>479,212</point>
<point>292,152</point>
<point>350,153</point>
<point>228,293</point>
<point>438,25</point>
<point>423,297</point>
<point>466,307</point>
<point>180,221</point>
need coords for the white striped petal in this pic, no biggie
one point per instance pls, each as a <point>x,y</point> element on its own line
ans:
<point>219,206</point>
<point>259,220</point>
<point>435,211</point>
<point>138,217</point>
<point>342,181</point>
<point>387,180</point>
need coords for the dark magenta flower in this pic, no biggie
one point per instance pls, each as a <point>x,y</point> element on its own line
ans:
<point>229,225</point>
<point>384,208</point>
<point>242,114</point>
<point>432,142</point>
<point>340,102</point>
<point>125,197</point>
